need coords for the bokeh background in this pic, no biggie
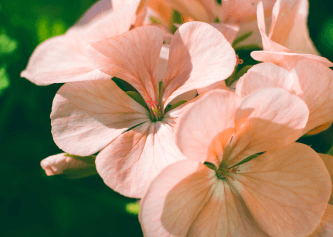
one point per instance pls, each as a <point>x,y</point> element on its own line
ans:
<point>32,204</point>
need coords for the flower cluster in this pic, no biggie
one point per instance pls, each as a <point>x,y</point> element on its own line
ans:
<point>156,101</point>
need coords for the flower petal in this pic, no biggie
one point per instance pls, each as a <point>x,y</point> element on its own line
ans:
<point>130,162</point>
<point>287,60</point>
<point>286,190</point>
<point>87,116</point>
<point>133,57</point>
<point>315,88</point>
<point>290,27</point>
<point>325,229</point>
<point>69,166</point>
<point>209,116</point>
<point>199,56</point>
<point>116,23</point>
<point>283,16</point>
<point>99,8</point>
<point>229,31</point>
<point>328,161</point>
<point>187,199</point>
<point>267,119</point>
<point>264,75</point>
<point>61,59</point>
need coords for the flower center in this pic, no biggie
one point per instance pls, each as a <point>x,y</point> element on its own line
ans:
<point>224,172</point>
<point>154,110</point>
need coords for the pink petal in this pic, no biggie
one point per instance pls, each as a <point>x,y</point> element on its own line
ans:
<point>175,198</point>
<point>267,119</point>
<point>229,31</point>
<point>87,116</point>
<point>264,75</point>
<point>99,8</point>
<point>267,43</point>
<point>315,88</point>
<point>70,166</point>
<point>283,16</point>
<point>328,161</point>
<point>116,23</point>
<point>325,229</point>
<point>199,56</point>
<point>61,59</point>
<point>291,28</point>
<point>133,160</point>
<point>217,85</point>
<point>286,190</point>
<point>209,116</point>
<point>287,60</point>
<point>133,57</point>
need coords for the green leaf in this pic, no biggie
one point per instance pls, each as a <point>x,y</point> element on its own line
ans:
<point>133,208</point>
<point>179,103</point>
<point>4,80</point>
<point>58,28</point>
<point>42,28</point>
<point>330,152</point>
<point>241,38</point>
<point>7,45</point>
<point>137,97</point>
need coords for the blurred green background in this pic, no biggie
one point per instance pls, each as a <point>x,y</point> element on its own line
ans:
<point>32,204</point>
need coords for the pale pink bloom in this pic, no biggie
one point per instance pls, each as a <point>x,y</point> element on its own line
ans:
<point>237,15</point>
<point>70,166</point>
<point>325,228</point>
<point>283,192</point>
<point>64,58</point>
<point>310,80</point>
<point>94,115</point>
<point>288,34</point>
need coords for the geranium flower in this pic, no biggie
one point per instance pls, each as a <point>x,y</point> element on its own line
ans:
<point>135,137</point>
<point>230,17</point>
<point>237,192</point>
<point>288,29</point>
<point>64,58</point>
<point>310,80</point>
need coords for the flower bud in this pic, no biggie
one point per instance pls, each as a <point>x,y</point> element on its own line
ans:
<point>69,166</point>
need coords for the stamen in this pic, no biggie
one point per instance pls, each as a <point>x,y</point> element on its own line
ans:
<point>154,109</point>
<point>238,60</point>
<point>151,102</point>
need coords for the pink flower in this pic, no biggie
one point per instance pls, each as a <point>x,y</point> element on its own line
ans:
<point>283,192</point>
<point>288,33</point>
<point>136,138</point>
<point>64,58</point>
<point>310,80</point>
